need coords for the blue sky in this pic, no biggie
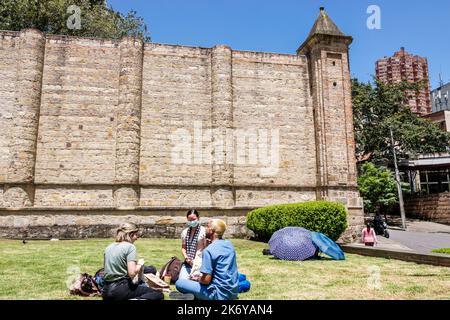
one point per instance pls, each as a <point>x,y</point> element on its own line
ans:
<point>422,27</point>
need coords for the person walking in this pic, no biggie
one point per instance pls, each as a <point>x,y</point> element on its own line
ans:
<point>369,238</point>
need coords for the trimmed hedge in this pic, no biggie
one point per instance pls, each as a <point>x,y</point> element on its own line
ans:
<point>329,218</point>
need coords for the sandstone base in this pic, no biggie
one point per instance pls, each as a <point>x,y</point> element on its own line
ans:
<point>155,223</point>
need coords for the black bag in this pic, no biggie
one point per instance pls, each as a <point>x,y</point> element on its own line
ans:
<point>172,269</point>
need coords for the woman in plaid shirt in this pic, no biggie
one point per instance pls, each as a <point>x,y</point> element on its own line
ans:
<point>193,242</point>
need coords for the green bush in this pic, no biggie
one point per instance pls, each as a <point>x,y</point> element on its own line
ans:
<point>443,250</point>
<point>329,218</point>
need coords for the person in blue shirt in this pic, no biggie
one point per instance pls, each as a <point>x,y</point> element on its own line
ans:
<point>219,275</point>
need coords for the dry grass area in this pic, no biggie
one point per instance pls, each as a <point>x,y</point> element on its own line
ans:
<point>40,269</point>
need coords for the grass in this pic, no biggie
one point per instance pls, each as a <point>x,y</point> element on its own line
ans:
<point>40,269</point>
<point>443,250</point>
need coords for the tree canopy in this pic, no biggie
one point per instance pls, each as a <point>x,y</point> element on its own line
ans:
<point>378,188</point>
<point>90,18</point>
<point>376,108</point>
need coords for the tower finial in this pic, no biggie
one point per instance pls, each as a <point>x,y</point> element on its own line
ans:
<point>324,26</point>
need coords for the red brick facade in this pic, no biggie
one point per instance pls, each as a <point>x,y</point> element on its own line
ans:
<point>411,68</point>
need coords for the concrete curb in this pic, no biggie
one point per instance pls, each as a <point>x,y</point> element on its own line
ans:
<point>396,228</point>
<point>435,259</point>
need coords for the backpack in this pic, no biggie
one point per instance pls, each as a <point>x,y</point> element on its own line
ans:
<point>244,284</point>
<point>171,268</point>
<point>84,285</point>
<point>99,279</point>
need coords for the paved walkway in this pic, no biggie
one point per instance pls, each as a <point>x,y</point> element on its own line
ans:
<point>389,244</point>
<point>415,225</point>
<point>421,236</point>
<point>422,242</point>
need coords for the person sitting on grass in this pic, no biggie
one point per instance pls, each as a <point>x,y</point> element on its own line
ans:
<point>120,267</point>
<point>219,275</point>
<point>193,242</point>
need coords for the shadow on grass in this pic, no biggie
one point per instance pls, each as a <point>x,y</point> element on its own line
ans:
<point>259,239</point>
<point>266,252</point>
<point>310,259</point>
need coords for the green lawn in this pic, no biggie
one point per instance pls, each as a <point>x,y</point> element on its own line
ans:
<point>443,250</point>
<point>39,270</point>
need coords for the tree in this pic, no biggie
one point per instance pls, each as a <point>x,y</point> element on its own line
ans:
<point>380,106</point>
<point>97,19</point>
<point>378,188</point>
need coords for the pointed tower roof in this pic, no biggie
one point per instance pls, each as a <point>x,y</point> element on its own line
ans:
<point>324,26</point>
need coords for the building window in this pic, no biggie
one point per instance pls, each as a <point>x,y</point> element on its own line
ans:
<point>436,181</point>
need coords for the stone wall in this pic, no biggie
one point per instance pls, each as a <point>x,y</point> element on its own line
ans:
<point>8,78</point>
<point>121,126</point>
<point>159,223</point>
<point>433,207</point>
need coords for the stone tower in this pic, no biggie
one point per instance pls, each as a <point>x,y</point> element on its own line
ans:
<point>327,50</point>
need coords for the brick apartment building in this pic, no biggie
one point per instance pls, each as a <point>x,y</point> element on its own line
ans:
<point>407,67</point>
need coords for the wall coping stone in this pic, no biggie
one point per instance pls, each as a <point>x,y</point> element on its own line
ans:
<point>435,259</point>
